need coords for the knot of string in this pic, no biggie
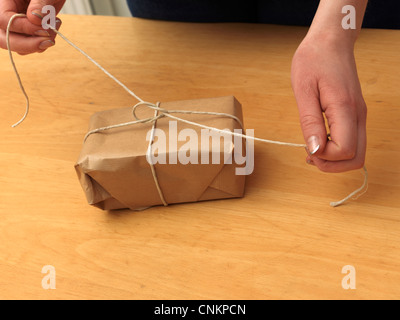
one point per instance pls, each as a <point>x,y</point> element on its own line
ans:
<point>158,114</point>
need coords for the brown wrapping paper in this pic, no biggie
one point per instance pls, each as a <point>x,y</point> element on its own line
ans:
<point>114,173</point>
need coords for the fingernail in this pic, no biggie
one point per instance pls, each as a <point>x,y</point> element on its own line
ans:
<point>42,33</point>
<point>313,144</point>
<point>58,23</point>
<point>46,44</point>
<point>37,13</point>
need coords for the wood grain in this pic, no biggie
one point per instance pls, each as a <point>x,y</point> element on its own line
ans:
<point>281,241</point>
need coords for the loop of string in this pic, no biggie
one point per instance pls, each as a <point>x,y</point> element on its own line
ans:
<point>158,114</point>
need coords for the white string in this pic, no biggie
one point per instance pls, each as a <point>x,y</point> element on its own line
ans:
<point>97,64</point>
<point>150,161</point>
<point>166,113</point>
<point>15,68</point>
<point>363,187</point>
<point>159,113</point>
<point>237,134</point>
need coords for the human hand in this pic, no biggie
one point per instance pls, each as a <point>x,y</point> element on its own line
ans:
<point>325,80</point>
<point>26,33</point>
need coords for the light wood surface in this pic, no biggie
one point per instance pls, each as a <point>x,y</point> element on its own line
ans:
<point>281,241</point>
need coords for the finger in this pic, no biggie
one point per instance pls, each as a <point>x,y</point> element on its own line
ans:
<point>35,12</point>
<point>342,122</point>
<point>53,34</point>
<point>346,165</point>
<point>20,25</point>
<point>311,118</point>
<point>25,44</point>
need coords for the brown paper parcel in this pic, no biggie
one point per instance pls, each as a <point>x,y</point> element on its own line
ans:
<point>115,174</point>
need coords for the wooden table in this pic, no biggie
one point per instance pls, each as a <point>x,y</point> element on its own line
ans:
<point>282,240</point>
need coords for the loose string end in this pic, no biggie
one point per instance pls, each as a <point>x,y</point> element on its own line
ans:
<point>357,193</point>
<point>18,123</point>
<point>24,117</point>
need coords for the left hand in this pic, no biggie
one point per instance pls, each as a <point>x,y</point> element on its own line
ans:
<point>27,35</point>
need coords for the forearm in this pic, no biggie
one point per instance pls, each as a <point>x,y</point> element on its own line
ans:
<point>327,23</point>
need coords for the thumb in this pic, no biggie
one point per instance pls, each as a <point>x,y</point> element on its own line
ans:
<point>36,11</point>
<point>311,119</point>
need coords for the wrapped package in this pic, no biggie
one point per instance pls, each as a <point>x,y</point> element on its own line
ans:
<point>115,172</point>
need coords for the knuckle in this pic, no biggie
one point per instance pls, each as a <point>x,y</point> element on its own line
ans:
<point>309,121</point>
<point>347,152</point>
<point>3,22</point>
<point>329,166</point>
<point>324,166</point>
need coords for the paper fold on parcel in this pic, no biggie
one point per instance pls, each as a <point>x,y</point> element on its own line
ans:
<point>115,174</point>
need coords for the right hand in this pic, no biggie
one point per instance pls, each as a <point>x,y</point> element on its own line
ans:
<point>325,80</point>
<point>26,33</point>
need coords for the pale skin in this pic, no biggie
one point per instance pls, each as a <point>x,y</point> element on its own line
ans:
<point>324,77</point>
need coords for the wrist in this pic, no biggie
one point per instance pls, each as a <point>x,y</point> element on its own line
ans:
<point>329,24</point>
<point>335,39</point>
